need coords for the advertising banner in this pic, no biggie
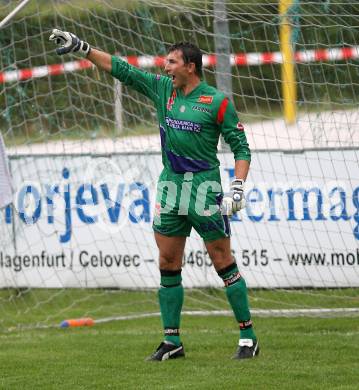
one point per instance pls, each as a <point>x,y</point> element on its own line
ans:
<point>86,221</point>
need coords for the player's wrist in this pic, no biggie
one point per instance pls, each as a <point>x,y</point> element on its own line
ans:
<point>238,181</point>
<point>237,190</point>
<point>83,48</point>
<point>237,184</point>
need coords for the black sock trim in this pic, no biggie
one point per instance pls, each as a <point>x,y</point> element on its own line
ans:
<point>229,268</point>
<point>172,332</point>
<point>165,272</point>
<point>172,285</point>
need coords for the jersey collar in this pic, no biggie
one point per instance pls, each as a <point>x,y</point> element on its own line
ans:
<point>194,91</point>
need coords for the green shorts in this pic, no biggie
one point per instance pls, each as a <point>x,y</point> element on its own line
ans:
<point>190,200</point>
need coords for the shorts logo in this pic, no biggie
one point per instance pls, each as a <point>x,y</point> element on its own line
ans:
<point>240,127</point>
<point>205,99</point>
<point>211,226</point>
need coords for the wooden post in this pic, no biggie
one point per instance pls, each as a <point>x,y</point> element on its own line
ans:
<point>289,89</point>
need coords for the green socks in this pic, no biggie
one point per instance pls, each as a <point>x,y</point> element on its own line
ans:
<point>170,296</point>
<point>236,291</point>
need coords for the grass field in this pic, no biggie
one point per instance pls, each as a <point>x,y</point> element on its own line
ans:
<point>296,353</point>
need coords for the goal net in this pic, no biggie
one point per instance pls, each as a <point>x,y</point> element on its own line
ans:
<point>84,157</point>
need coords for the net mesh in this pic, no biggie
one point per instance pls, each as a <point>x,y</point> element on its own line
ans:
<point>84,155</point>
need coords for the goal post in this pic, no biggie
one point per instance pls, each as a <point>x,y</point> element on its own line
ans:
<point>77,239</point>
<point>6,190</point>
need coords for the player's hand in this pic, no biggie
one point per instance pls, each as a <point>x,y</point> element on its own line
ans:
<point>233,200</point>
<point>68,43</point>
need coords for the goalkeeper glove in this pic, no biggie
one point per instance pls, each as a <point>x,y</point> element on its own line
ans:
<point>233,200</point>
<point>68,43</point>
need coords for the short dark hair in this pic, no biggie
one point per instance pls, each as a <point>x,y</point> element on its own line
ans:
<point>190,53</point>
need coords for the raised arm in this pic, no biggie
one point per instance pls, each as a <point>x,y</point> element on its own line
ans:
<point>101,59</point>
<point>146,83</point>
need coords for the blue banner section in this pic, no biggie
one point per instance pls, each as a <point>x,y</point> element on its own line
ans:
<point>265,204</point>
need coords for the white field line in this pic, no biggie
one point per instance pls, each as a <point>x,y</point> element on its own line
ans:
<point>337,312</point>
<point>291,313</point>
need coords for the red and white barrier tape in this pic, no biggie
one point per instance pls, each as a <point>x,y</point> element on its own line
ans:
<point>241,59</point>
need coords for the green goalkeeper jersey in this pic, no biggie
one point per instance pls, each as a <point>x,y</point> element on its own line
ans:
<point>190,125</point>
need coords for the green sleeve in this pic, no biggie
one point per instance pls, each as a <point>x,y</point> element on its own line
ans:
<point>233,133</point>
<point>148,84</point>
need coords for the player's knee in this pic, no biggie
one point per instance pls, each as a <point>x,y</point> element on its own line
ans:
<point>170,251</point>
<point>220,255</point>
<point>221,258</point>
<point>170,261</point>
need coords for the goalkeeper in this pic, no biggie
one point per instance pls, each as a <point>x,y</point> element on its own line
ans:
<point>191,115</point>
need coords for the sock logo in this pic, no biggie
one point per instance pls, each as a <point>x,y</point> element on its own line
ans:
<point>232,279</point>
<point>245,324</point>
<point>172,332</point>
